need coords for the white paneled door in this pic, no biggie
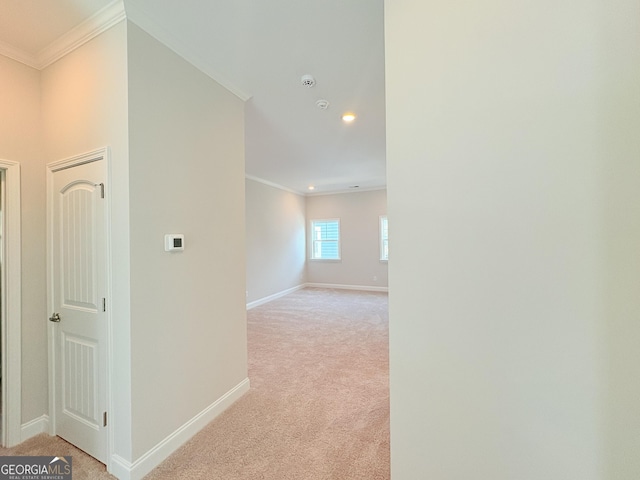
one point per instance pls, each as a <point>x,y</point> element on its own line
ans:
<point>79,318</point>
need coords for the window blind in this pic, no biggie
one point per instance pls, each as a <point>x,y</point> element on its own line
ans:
<point>325,236</point>
<point>384,238</point>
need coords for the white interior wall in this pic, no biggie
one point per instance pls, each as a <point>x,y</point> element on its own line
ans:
<point>618,148</point>
<point>359,214</point>
<point>275,240</point>
<point>188,338</point>
<point>512,180</point>
<point>84,107</point>
<point>20,141</point>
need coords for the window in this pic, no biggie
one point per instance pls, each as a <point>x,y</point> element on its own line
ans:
<point>325,239</point>
<point>384,238</point>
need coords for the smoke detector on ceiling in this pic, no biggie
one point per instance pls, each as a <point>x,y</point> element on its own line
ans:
<point>308,81</point>
<point>322,104</point>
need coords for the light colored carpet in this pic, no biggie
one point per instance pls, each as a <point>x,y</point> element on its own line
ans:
<point>318,407</point>
<point>85,467</point>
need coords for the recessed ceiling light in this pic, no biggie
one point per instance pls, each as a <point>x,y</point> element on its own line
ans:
<point>311,187</point>
<point>349,117</point>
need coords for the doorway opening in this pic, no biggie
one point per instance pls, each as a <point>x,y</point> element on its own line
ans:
<point>2,302</point>
<point>10,304</point>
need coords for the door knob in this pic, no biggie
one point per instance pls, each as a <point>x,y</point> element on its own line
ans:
<point>54,318</point>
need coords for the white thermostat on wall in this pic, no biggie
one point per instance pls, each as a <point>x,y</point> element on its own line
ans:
<point>173,242</point>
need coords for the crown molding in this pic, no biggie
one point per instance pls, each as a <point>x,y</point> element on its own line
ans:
<point>346,190</point>
<point>315,194</point>
<point>145,21</point>
<point>90,28</point>
<point>17,54</point>
<point>78,36</point>
<point>103,20</point>
<point>272,184</point>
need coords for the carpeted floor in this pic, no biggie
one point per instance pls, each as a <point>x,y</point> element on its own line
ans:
<point>318,407</point>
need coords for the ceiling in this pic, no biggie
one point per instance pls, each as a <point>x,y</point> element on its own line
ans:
<point>260,50</point>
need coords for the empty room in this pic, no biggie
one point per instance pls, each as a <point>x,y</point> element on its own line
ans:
<point>198,201</point>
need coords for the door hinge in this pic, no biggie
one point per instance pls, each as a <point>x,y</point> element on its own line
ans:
<point>104,304</point>
<point>104,419</point>
<point>101,185</point>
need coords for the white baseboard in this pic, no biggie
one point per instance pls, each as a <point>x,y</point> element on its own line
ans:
<point>271,298</point>
<point>364,288</point>
<point>125,470</point>
<point>120,468</point>
<point>34,427</point>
